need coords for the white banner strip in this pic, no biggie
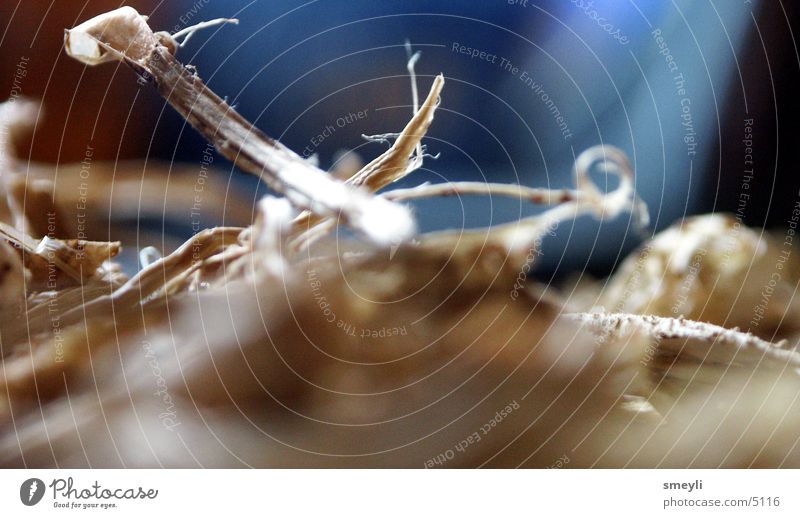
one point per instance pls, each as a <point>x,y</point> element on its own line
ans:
<point>380,493</point>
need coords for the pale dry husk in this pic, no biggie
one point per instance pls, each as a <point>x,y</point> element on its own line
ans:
<point>277,345</point>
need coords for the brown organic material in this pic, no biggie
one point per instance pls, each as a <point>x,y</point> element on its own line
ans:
<point>276,345</point>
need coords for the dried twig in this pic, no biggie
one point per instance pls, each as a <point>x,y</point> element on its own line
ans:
<point>393,164</point>
<point>124,35</point>
<point>684,355</point>
<point>530,194</point>
<point>520,237</point>
<point>78,259</point>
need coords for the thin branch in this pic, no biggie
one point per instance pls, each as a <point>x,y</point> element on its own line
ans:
<point>389,167</point>
<point>188,32</point>
<point>394,163</point>
<point>124,35</point>
<point>413,57</point>
<point>530,194</point>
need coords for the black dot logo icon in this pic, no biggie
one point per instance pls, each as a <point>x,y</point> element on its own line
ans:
<point>31,491</point>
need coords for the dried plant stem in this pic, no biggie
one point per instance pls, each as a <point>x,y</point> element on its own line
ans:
<point>47,249</point>
<point>719,345</point>
<point>185,259</point>
<point>520,237</point>
<point>393,164</point>
<point>389,167</point>
<point>684,353</point>
<point>529,194</point>
<point>124,35</point>
<point>188,32</point>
